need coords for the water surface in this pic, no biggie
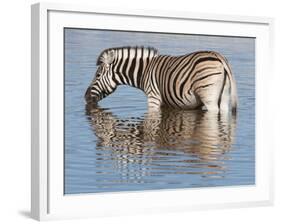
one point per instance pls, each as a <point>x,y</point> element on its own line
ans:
<point>119,146</point>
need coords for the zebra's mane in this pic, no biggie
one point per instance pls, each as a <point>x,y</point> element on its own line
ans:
<point>106,51</point>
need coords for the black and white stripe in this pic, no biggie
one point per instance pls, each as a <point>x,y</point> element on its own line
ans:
<point>200,79</point>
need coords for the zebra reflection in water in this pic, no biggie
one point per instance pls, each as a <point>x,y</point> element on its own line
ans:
<point>150,145</point>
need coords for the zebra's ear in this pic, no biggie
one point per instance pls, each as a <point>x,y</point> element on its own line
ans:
<point>108,57</point>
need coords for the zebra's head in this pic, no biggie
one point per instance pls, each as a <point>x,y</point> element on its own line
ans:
<point>119,66</point>
<point>104,82</point>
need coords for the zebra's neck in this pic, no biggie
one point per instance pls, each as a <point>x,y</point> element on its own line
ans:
<point>130,65</point>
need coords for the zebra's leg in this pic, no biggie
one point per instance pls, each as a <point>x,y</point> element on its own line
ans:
<point>210,106</point>
<point>154,103</point>
<point>210,95</point>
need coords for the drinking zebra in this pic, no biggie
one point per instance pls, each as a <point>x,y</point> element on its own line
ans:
<point>201,79</point>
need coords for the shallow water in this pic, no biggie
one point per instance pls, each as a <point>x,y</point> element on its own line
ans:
<point>120,147</point>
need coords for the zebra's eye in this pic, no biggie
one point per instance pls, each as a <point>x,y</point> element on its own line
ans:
<point>98,75</point>
<point>99,72</point>
<point>102,69</point>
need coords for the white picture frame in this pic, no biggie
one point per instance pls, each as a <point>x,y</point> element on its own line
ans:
<point>48,201</point>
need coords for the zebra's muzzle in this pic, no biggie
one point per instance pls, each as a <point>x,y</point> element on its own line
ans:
<point>90,98</point>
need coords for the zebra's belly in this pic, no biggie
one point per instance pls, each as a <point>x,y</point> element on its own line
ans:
<point>188,102</point>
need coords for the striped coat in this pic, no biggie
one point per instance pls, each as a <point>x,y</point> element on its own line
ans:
<point>201,79</point>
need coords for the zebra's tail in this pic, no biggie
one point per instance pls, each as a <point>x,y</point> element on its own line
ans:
<point>233,88</point>
<point>233,92</point>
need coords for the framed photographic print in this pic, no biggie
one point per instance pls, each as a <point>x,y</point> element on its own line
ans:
<point>148,111</point>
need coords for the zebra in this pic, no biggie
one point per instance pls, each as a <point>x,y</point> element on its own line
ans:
<point>201,79</point>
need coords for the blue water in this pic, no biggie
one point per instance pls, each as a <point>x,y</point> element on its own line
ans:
<point>120,147</point>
